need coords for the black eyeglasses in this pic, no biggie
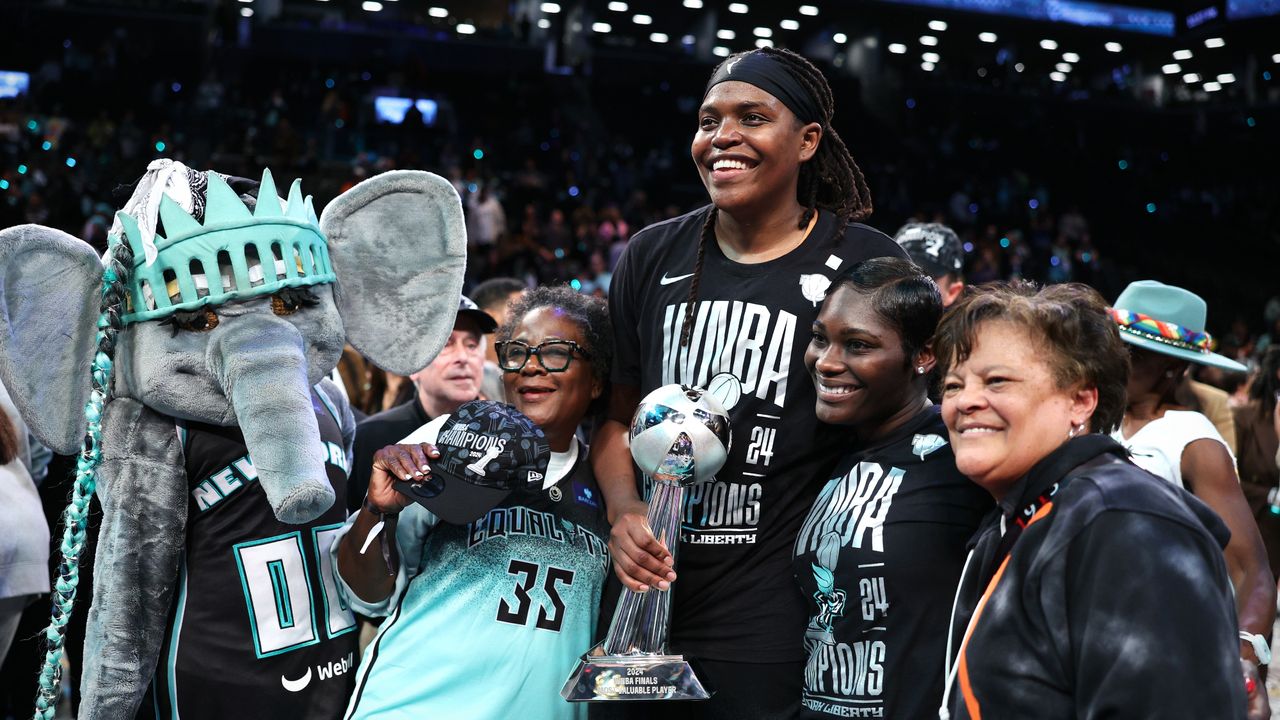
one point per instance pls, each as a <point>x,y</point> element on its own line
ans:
<point>554,355</point>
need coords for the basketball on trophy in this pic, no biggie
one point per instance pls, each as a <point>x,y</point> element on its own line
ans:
<point>680,434</point>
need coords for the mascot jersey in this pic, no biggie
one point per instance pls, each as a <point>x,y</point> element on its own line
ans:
<point>487,620</point>
<point>258,629</point>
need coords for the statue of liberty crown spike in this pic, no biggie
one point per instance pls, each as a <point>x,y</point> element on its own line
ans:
<point>234,254</point>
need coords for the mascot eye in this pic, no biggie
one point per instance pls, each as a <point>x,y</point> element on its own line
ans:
<point>199,320</point>
<point>291,300</point>
<point>282,305</point>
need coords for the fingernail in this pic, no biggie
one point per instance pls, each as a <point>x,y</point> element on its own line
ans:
<point>664,585</point>
<point>426,468</point>
<point>671,576</point>
<point>408,476</point>
<point>644,588</point>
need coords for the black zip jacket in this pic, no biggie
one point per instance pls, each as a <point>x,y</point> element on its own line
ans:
<point>1097,590</point>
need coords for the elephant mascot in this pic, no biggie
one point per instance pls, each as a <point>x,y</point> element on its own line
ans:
<point>188,367</point>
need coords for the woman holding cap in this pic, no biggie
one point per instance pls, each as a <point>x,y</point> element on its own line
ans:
<point>489,605</point>
<point>729,291</point>
<point>1094,589</point>
<point>1163,327</point>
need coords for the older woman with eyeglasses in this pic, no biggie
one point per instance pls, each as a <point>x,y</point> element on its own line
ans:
<point>488,617</point>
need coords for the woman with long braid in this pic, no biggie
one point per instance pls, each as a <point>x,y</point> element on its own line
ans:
<point>729,292</point>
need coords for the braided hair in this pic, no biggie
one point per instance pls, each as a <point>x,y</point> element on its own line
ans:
<point>115,279</point>
<point>830,180</point>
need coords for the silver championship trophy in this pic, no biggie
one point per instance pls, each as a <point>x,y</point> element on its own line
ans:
<point>679,437</point>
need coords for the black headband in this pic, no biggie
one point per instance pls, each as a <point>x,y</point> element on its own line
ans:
<point>771,76</point>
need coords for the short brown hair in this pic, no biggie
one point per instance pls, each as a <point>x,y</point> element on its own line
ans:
<point>1082,343</point>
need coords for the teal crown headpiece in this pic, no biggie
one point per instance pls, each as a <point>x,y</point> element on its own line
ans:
<point>233,254</point>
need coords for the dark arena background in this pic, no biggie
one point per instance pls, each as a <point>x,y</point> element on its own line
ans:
<point>1064,140</point>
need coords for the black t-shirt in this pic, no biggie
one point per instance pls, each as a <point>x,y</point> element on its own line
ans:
<point>735,599</point>
<point>258,628</point>
<point>878,559</point>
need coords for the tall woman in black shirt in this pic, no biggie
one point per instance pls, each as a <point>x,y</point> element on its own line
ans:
<point>729,291</point>
<point>880,554</point>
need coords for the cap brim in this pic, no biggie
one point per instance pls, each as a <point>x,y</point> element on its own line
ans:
<point>453,500</point>
<point>483,319</point>
<point>1210,359</point>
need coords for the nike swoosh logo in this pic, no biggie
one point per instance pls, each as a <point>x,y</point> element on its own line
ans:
<point>668,280</point>
<point>296,685</point>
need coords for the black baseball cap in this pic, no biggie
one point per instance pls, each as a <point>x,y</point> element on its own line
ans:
<point>487,450</point>
<point>933,246</point>
<point>468,308</point>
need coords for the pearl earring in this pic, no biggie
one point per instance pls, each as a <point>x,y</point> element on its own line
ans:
<point>920,370</point>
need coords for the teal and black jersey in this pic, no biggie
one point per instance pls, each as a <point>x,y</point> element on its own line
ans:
<point>488,619</point>
<point>258,628</point>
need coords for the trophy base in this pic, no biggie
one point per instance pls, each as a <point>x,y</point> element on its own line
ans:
<point>602,678</point>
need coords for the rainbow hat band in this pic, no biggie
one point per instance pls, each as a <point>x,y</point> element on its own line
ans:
<point>1168,320</point>
<point>233,255</point>
<point>1161,331</point>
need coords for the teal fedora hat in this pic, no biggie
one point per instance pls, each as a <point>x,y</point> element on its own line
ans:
<point>1168,320</point>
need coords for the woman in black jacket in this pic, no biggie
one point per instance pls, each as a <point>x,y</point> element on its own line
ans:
<point>1095,589</point>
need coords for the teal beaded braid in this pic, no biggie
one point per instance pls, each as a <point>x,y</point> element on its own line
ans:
<point>115,280</point>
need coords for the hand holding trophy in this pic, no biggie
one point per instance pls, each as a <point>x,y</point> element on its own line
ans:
<point>679,437</point>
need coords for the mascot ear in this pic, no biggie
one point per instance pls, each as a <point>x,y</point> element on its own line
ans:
<point>50,292</point>
<point>399,248</point>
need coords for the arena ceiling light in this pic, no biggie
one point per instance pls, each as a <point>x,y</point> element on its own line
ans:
<point>544,23</point>
<point>688,39</point>
<point>1182,55</point>
<point>1275,58</point>
<point>1070,57</point>
<point>549,8</point>
<point>439,12</point>
<point>1057,77</point>
<point>1226,78</point>
<point>466,29</point>
<point>987,37</point>
<point>938,25</point>
<point>1048,44</point>
<point>720,51</point>
<point>1019,67</point>
<point>642,19</point>
<point>789,24</point>
<point>900,49</point>
<point>928,40</point>
<point>601,27</point>
<point>1171,68</point>
<point>840,38</point>
<point>739,8</point>
<point>726,34</point>
<point>1114,47</point>
<point>931,57</point>
<point>764,42</point>
<point>618,6</point>
<point>693,4</point>
<point>1191,78</point>
<point>810,10</point>
<point>763,32</point>
<point>246,12</point>
<point>658,37</point>
<point>927,66</point>
<point>1214,43</point>
<point>1063,67</point>
<point>370,6</point>
<point>1212,86</point>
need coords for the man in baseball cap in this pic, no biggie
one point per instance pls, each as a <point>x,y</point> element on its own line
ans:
<point>453,378</point>
<point>938,251</point>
